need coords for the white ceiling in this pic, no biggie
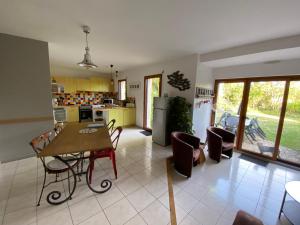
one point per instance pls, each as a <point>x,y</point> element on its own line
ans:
<point>137,32</point>
<point>261,57</point>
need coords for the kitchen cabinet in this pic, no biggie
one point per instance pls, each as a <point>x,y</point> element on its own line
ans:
<point>83,84</point>
<point>69,85</point>
<point>72,113</point>
<point>73,84</point>
<point>116,114</point>
<point>123,116</point>
<point>129,117</point>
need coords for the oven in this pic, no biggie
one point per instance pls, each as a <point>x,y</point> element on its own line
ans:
<point>85,113</point>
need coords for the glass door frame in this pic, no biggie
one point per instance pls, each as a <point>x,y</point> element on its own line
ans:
<point>244,106</point>
<point>145,97</point>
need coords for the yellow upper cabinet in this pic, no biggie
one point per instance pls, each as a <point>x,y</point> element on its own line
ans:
<point>83,84</point>
<point>95,84</point>
<point>69,85</point>
<point>73,84</point>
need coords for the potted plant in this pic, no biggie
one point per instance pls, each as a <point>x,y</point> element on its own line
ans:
<point>180,115</point>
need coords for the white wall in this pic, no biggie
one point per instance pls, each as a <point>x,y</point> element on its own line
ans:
<point>202,112</point>
<point>187,65</point>
<point>287,67</point>
<point>25,92</point>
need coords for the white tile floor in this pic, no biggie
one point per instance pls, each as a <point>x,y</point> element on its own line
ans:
<point>140,194</point>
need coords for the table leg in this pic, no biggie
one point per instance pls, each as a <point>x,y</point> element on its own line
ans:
<point>282,204</point>
<point>105,184</point>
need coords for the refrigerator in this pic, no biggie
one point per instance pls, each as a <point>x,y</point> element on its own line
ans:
<point>160,114</point>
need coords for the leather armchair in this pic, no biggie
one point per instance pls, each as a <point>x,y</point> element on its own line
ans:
<point>219,142</point>
<point>243,218</point>
<point>186,152</point>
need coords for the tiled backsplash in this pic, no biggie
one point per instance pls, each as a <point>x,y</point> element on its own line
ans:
<point>82,98</point>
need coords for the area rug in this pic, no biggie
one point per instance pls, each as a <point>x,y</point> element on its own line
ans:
<point>146,133</point>
<point>254,160</point>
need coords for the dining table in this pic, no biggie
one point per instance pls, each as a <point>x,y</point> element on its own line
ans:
<point>76,139</point>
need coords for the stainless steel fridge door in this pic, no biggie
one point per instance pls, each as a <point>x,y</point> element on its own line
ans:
<point>161,102</point>
<point>159,126</point>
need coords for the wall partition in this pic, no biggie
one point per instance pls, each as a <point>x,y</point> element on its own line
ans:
<point>263,112</point>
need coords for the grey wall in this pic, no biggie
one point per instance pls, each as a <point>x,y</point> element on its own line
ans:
<point>25,92</point>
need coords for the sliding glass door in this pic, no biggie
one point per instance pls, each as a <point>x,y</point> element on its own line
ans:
<point>262,116</point>
<point>289,149</point>
<point>264,113</point>
<point>228,105</point>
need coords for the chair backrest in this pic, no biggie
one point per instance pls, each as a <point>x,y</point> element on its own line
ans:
<point>58,128</point>
<point>40,142</point>
<point>181,136</point>
<point>115,136</point>
<point>110,125</point>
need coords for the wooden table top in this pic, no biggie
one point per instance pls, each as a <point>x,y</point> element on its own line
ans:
<point>69,140</point>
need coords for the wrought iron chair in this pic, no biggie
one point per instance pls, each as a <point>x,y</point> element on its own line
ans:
<point>110,152</point>
<point>58,128</point>
<point>110,125</point>
<point>54,166</point>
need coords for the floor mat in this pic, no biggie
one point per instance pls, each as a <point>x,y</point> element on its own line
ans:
<point>146,133</point>
<point>253,160</point>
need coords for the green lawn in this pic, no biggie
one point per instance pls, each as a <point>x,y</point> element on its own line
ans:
<point>291,130</point>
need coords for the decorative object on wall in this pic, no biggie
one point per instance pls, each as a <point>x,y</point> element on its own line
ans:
<point>204,96</point>
<point>176,80</point>
<point>204,93</point>
<point>134,85</point>
<point>87,60</point>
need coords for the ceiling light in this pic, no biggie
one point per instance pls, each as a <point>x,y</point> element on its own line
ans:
<point>87,61</point>
<point>111,75</point>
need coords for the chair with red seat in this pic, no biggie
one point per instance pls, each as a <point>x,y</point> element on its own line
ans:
<point>110,125</point>
<point>102,153</point>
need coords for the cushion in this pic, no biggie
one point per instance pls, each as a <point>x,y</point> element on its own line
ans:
<point>196,154</point>
<point>58,165</point>
<point>227,146</point>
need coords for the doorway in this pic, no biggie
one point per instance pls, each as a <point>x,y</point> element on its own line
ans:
<point>152,88</point>
<point>263,112</point>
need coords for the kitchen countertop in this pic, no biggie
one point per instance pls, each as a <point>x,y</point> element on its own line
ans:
<point>105,108</point>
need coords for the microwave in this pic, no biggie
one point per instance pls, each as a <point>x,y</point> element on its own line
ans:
<point>108,101</point>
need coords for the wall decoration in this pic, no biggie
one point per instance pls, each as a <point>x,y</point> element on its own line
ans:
<point>204,93</point>
<point>134,85</point>
<point>204,96</point>
<point>176,80</point>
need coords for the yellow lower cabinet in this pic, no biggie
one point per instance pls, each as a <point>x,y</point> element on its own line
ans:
<point>129,117</point>
<point>116,114</point>
<point>72,114</point>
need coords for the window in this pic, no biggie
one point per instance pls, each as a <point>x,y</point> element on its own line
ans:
<point>264,112</point>
<point>122,89</point>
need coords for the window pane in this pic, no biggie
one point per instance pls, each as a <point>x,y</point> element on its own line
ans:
<point>289,148</point>
<point>122,90</point>
<point>262,118</point>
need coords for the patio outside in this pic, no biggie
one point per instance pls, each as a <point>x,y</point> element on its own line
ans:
<point>264,107</point>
